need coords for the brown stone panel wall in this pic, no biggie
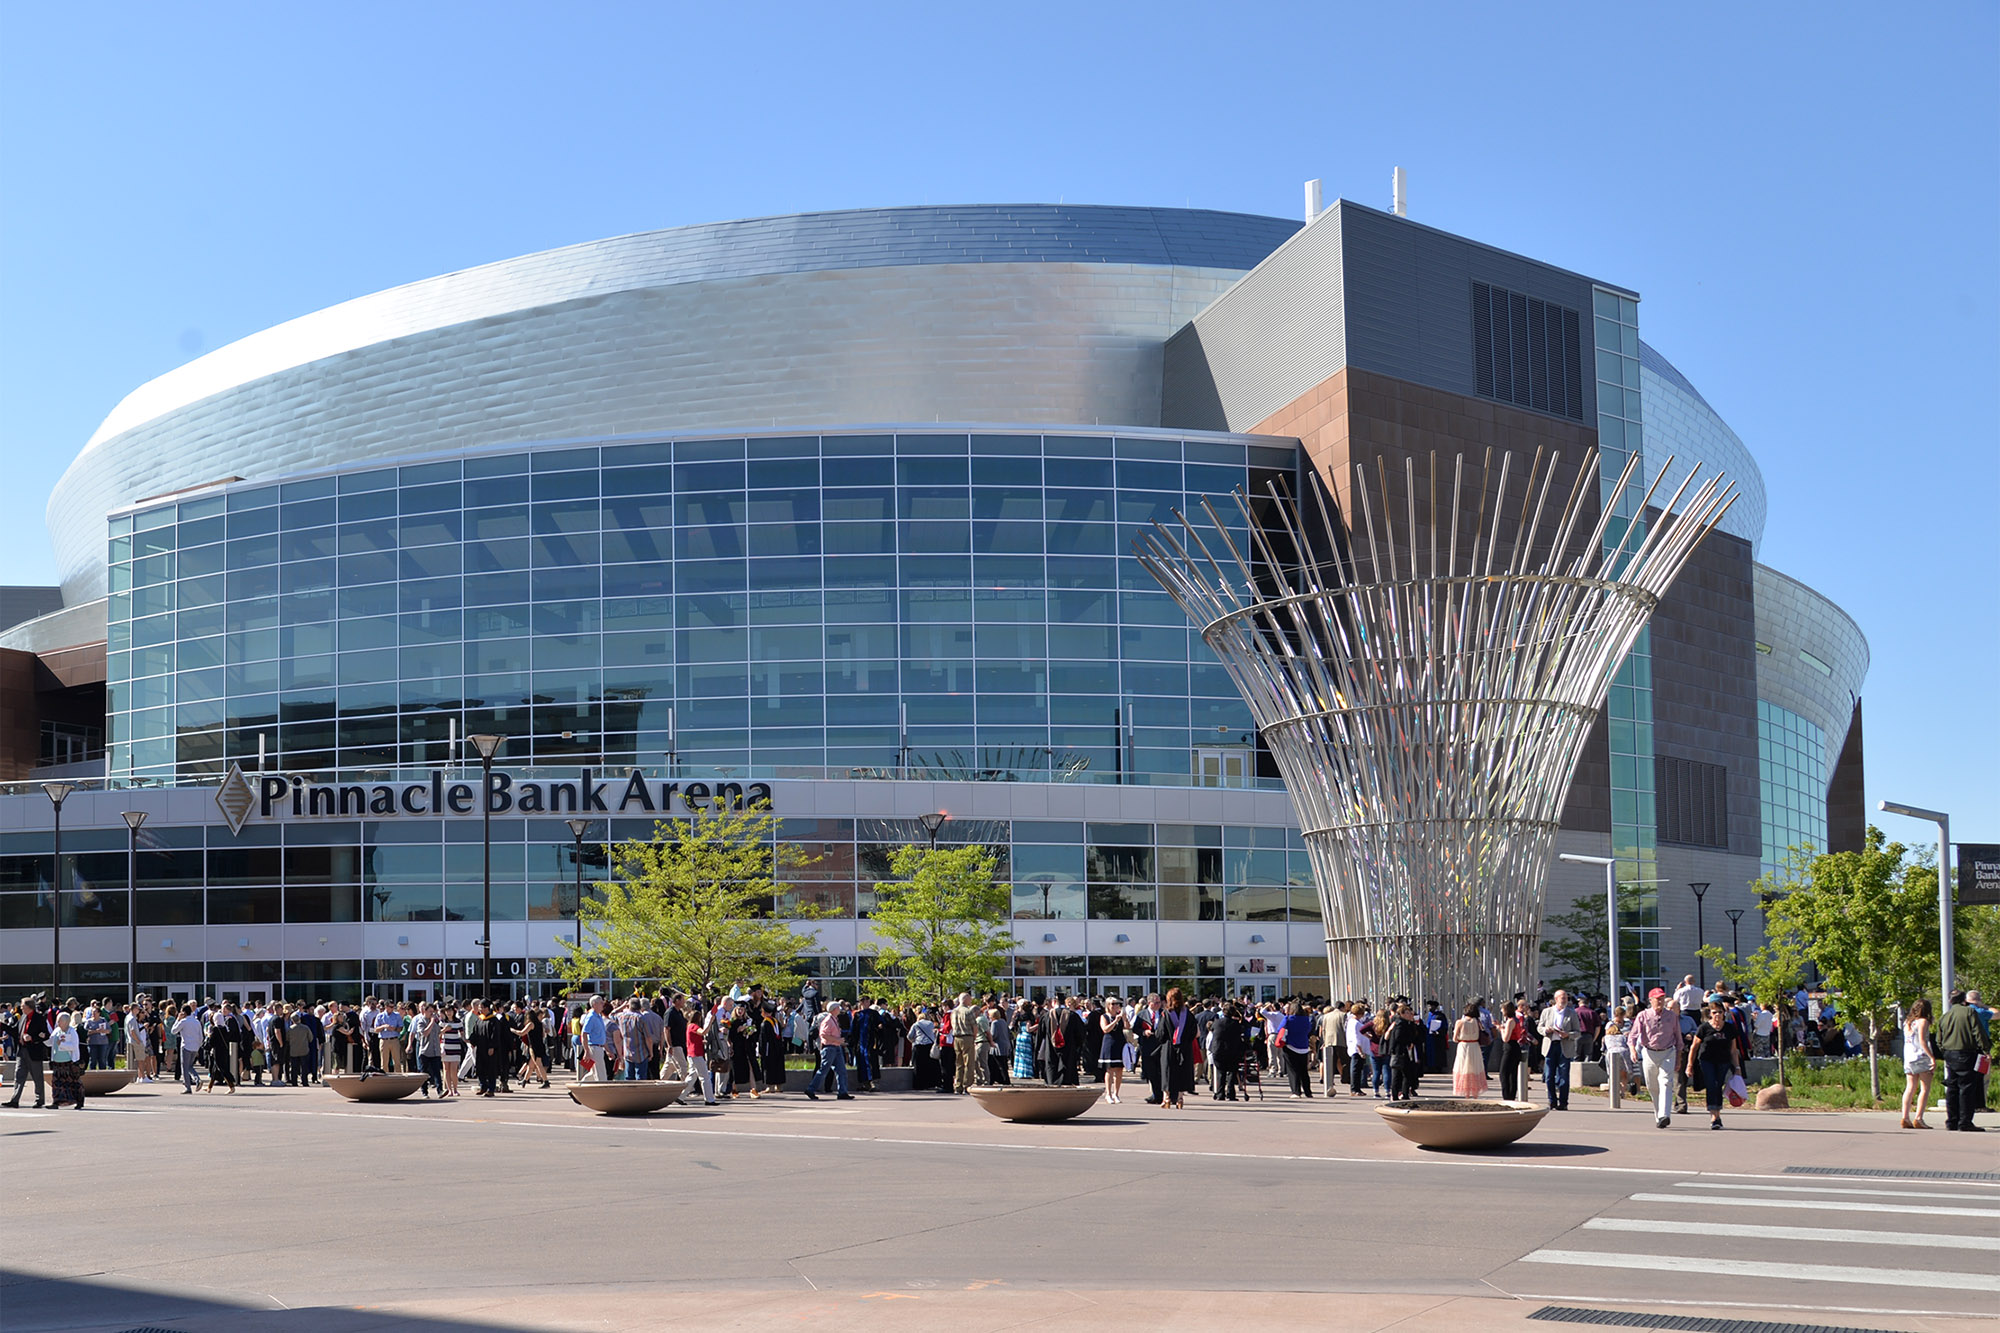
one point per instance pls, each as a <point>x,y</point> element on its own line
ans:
<point>69,668</point>
<point>1358,416</point>
<point>1705,675</point>
<point>20,715</point>
<point>1846,796</point>
<point>1382,424</point>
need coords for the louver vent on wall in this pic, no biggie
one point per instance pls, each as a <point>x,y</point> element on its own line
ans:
<point>1693,802</point>
<point>1527,352</point>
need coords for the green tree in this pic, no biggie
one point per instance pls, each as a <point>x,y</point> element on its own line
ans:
<point>940,924</point>
<point>1777,969</point>
<point>1577,953</point>
<point>692,905</point>
<point>1868,920</point>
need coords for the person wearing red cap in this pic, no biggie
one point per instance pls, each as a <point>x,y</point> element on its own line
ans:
<point>1656,1036</point>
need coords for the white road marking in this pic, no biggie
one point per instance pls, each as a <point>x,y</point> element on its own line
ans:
<point>1833,1235</point>
<point>1817,1205</point>
<point>1822,1189</point>
<point>1868,1277</point>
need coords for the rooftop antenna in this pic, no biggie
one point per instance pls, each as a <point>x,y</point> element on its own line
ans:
<point>1399,190</point>
<point>1313,209</point>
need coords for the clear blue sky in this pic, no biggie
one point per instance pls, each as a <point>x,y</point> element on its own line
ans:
<point>1807,196</point>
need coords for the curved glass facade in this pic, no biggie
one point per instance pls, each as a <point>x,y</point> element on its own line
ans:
<point>1793,769</point>
<point>947,604</point>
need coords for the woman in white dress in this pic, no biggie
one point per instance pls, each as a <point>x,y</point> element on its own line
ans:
<point>1468,1068</point>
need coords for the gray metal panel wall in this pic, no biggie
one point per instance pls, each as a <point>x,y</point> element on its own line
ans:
<point>1262,343</point>
<point>1408,302</point>
<point>1357,288</point>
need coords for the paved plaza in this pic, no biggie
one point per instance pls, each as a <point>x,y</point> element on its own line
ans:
<point>292,1209</point>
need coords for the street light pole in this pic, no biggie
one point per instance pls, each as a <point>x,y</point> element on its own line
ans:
<point>133,818</point>
<point>577,828</point>
<point>1613,1077</point>
<point>1700,932</point>
<point>487,747</point>
<point>58,792</point>
<point>1735,914</point>
<point>1948,964</point>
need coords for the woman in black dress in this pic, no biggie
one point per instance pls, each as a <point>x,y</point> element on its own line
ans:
<point>536,1043</point>
<point>1179,1038</point>
<point>742,1043</point>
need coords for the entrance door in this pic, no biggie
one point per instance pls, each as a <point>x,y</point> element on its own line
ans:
<point>1222,767</point>
<point>1125,988</point>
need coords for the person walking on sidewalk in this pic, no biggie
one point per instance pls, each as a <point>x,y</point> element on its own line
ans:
<point>1919,1066</point>
<point>1958,1036</point>
<point>1715,1050</point>
<point>31,1055</point>
<point>1561,1030</point>
<point>832,1055</point>
<point>1656,1036</point>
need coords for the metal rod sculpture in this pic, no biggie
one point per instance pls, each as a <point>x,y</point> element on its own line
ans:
<point>1425,681</point>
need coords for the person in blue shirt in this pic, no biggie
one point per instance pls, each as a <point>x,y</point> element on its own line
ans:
<point>595,1029</point>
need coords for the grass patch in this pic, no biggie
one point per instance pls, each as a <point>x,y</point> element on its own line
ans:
<point>1843,1085</point>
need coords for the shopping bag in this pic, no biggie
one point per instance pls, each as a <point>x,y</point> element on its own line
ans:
<point>1738,1091</point>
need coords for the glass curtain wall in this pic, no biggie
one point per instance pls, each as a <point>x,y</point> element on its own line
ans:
<point>961,604</point>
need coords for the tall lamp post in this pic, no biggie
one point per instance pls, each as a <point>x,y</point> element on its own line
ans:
<point>486,747</point>
<point>133,818</point>
<point>932,823</point>
<point>1735,914</point>
<point>577,828</point>
<point>1700,933</point>
<point>1612,1077</point>
<point>58,792</point>
<point>1948,963</point>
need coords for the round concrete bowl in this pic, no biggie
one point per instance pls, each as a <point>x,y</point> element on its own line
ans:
<point>104,1082</point>
<point>628,1096</point>
<point>376,1087</point>
<point>1030,1104</point>
<point>1461,1124</point>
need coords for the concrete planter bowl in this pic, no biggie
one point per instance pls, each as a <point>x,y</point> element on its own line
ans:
<point>104,1082</point>
<point>628,1096</point>
<point>1461,1124</point>
<point>376,1087</point>
<point>1029,1103</point>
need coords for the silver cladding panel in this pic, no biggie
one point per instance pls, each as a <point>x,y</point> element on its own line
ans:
<point>1680,424</point>
<point>1031,314</point>
<point>1070,344</point>
<point>1791,619</point>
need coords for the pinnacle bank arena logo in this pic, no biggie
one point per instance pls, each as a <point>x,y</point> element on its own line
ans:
<point>275,795</point>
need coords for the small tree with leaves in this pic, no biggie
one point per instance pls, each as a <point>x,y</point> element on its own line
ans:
<point>1577,954</point>
<point>692,905</point>
<point>940,924</point>
<point>1869,921</point>
<point>1778,967</point>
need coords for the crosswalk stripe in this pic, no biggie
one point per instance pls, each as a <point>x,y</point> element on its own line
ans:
<point>1825,1189</point>
<point>1870,1277</point>
<point>1835,1235</point>
<point>1816,1205</point>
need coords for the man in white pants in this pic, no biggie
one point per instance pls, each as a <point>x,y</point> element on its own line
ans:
<point>1656,1038</point>
<point>595,1031</point>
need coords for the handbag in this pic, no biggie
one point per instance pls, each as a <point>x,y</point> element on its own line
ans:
<point>1737,1090</point>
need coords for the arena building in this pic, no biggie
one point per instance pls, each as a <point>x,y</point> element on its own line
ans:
<point>837,508</point>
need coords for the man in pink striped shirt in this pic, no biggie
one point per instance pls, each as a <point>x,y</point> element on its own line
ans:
<point>1656,1036</point>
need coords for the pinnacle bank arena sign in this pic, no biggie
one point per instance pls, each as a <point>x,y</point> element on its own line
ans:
<point>281,796</point>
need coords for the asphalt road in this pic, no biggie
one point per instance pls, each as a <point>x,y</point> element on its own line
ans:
<point>158,1209</point>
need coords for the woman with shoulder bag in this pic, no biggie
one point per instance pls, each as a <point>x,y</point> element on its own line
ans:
<point>65,1064</point>
<point>1919,1065</point>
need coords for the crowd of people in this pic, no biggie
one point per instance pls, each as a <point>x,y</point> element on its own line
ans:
<point>737,1043</point>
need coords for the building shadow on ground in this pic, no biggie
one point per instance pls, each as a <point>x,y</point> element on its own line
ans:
<point>35,1303</point>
